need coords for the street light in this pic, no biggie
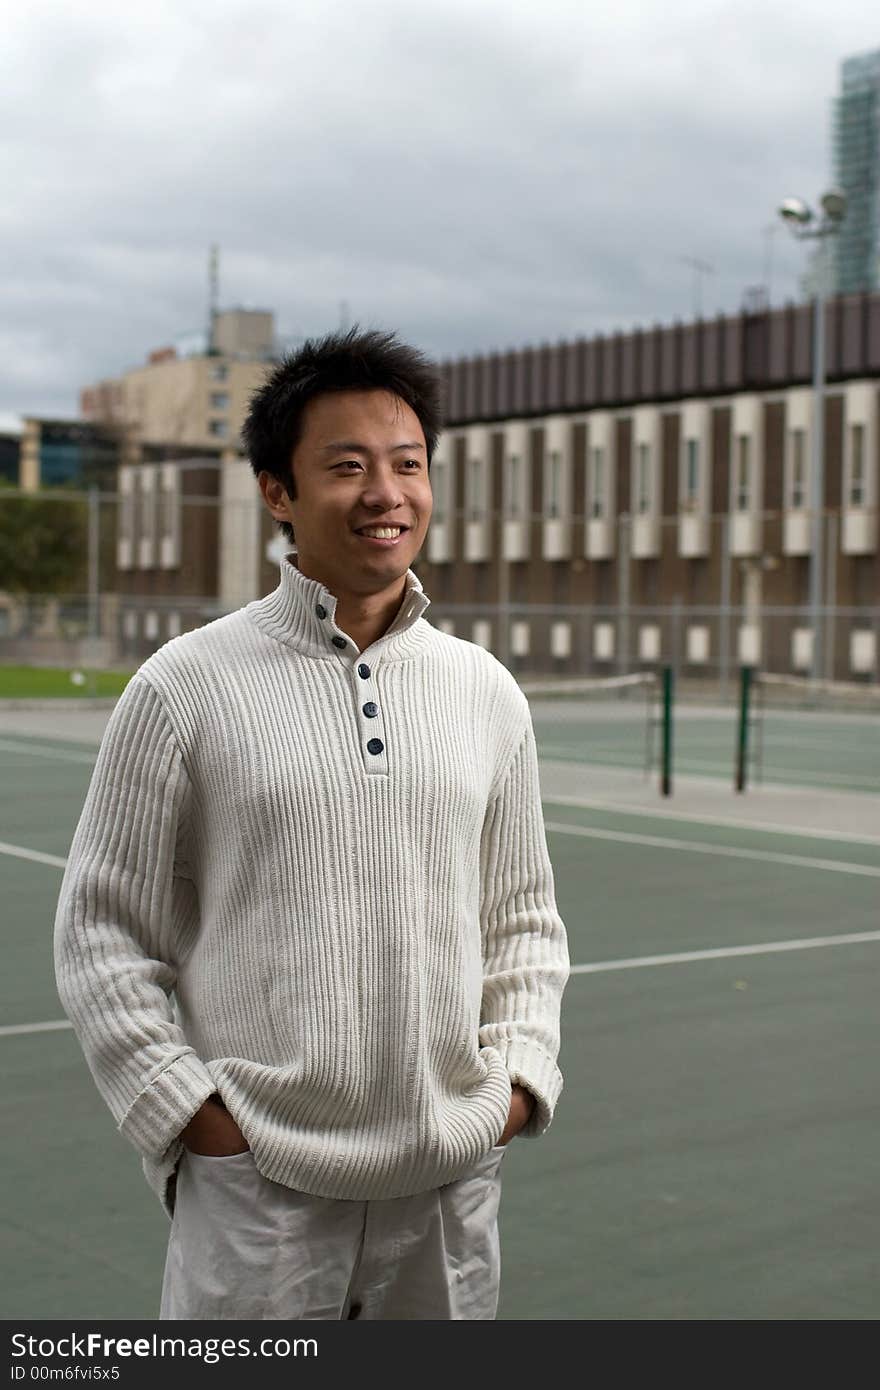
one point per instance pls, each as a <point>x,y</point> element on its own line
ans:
<point>804,224</point>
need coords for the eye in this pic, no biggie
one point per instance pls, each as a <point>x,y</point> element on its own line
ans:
<point>416,463</point>
<point>347,463</point>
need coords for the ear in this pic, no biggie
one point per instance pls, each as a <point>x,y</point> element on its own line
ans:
<point>272,492</point>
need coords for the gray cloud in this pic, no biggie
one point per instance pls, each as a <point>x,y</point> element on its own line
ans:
<point>475,175</point>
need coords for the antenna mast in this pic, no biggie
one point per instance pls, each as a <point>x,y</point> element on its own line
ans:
<point>213,292</point>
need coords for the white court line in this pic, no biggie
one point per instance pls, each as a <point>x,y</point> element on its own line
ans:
<point>55,1027</point>
<point>37,855</point>
<point>726,851</point>
<point>590,803</point>
<point>8,746</point>
<point>809,943</point>
<point>623,836</point>
<point>602,966</point>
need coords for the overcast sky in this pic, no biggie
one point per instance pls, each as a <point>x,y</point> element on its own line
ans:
<point>477,174</point>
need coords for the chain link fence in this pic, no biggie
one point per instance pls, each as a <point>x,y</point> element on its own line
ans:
<point>86,581</point>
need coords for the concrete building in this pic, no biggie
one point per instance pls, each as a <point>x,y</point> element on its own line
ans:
<point>856,143</point>
<point>66,454</point>
<point>599,505</point>
<point>190,402</point>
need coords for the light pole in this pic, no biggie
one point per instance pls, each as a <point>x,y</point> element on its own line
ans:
<point>804,224</point>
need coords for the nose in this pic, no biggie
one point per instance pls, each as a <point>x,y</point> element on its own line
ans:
<point>383,491</point>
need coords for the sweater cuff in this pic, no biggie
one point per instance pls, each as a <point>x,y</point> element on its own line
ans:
<point>530,1066</point>
<point>165,1107</point>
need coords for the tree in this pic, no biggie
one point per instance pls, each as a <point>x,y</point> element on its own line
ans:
<point>43,542</point>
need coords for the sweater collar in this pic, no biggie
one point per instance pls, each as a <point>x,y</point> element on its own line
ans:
<point>292,615</point>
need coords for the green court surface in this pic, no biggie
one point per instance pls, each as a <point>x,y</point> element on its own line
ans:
<point>714,1150</point>
<point>799,748</point>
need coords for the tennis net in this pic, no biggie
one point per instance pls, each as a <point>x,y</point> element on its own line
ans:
<point>612,721</point>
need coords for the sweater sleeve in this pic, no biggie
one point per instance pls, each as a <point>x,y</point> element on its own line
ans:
<point>115,926</point>
<point>525,951</point>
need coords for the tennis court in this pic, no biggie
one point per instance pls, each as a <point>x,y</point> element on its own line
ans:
<point>714,1151</point>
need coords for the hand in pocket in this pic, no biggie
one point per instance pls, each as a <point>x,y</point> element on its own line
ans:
<point>213,1133</point>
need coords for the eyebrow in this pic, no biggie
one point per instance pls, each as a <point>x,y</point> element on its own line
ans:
<point>352,447</point>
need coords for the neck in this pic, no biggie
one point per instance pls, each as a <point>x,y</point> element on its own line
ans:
<point>364,617</point>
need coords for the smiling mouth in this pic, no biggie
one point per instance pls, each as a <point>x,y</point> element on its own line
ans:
<point>388,533</point>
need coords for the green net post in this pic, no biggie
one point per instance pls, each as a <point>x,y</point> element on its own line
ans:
<point>742,743</point>
<point>666,766</point>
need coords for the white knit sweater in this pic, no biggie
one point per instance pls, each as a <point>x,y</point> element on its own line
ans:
<point>316,881</point>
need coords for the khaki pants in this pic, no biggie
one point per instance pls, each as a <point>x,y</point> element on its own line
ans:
<point>242,1247</point>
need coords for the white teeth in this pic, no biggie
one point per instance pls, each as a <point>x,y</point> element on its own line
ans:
<point>382,533</point>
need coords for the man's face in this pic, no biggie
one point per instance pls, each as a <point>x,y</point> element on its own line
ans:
<point>361,461</point>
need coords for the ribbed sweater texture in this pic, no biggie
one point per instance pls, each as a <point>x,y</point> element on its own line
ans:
<point>315,880</point>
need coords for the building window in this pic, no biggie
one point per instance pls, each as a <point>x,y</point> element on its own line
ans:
<point>476,489</point>
<point>219,371</point>
<point>554,485</point>
<point>440,490</point>
<point>219,428</point>
<point>126,507</point>
<point>691,475</point>
<point>643,478</point>
<point>514,486</point>
<point>743,473</point>
<point>597,482</point>
<point>219,400</point>
<point>798,443</point>
<point>857,466</point>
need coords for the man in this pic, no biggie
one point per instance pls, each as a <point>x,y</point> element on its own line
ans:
<point>317,823</point>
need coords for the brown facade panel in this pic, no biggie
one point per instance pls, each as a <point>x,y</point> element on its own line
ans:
<point>623,462</point>
<point>571,374</point>
<point>719,489</point>
<point>833,469</point>
<point>556,377</point>
<point>629,347</point>
<point>872,363</point>
<point>609,389</point>
<point>469,389</point>
<point>689,382</point>
<point>446,374</point>
<point>778,338</point>
<point>757,351</point>
<point>753,360</point>
<point>832,338</point>
<point>732,354</point>
<point>670,426</point>
<point>488,390</point>
<point>802,342</point>
<point>669,353</point>
<point>520,365</point>
<point>710,355</point>
<point>506,390</point>
<point>536,462</point>
<point>590,377</point>
<point>852,334</point>
<point>650,365</point>
<point>458,404</point>
<point>579,470</point>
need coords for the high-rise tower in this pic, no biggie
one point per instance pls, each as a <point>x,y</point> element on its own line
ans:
<point>856,134</point>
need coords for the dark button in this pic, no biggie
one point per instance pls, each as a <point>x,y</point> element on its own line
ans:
<point>371,710</point>
<point>375,745</point>
<point>339,642</point>
<point>320,610</point>
<point>363,671</point>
